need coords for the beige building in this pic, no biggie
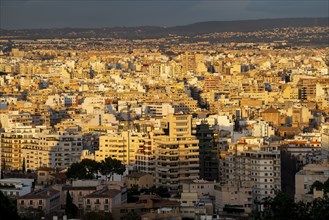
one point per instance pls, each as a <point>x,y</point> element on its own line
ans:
<point>48,200</point>
<point>122,146</point>
<point>78,190</point>
<point>13,140</point>
<point>177,153</point>
<point>306,177</point>
<point>102,200</point>
<point>140,180</point>
<point>57,150</point>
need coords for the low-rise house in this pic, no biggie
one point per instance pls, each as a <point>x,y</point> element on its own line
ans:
<point>47,200</point>
<point>140,180</point>
<point>102,200</point>
<point>305,178</point>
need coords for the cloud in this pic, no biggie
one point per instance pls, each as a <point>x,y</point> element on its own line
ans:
<point>109,13</point>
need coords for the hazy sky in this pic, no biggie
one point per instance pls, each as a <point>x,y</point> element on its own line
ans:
<point>20,14</point>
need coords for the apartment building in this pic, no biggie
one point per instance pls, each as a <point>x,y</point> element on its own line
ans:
<point>122,146</point>
<point>53,149</point>
<point>157,109</point>
<point>176,153</point>
<point>208,151</point>
<point>13,140</point>
<point>145,156</point>
<point>13,119</point>
<point>255,166</point>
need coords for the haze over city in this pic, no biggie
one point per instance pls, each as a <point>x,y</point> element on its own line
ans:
<point>171,110</point>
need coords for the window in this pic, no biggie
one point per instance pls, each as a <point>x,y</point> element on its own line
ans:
<point>40,202</point>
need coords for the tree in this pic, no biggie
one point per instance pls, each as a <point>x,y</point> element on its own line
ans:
<point>23,166</point>
<point>317,185</point>
<point>91,167</point>
<point>326,186</point>
<point>110,166</point>
<point>8,208</point>
<point>282,207</point>
<point>279,207</point>
<point>86,169</point>
<point>71,210</point>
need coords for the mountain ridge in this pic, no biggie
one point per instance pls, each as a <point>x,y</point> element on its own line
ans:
<point>161,31</point>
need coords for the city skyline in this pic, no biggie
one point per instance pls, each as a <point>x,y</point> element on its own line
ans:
<point>25,14</point>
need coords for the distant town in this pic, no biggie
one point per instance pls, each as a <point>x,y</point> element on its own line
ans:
<point>218,125</point>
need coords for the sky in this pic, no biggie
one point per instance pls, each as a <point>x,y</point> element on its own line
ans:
<point>24,14</point>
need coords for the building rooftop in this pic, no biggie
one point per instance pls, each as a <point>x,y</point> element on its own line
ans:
<point>43,193</point>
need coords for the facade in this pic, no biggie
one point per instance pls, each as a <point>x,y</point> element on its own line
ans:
<point>253,166</point>
<point>47,200</point>
<point>57,150</point>
<point>13,141</point>
<point>16,187</point>
<point>139,180</point>
<point>208,152</point>
<point>102,200</point>
<point>78,191</point>
<point>145,155</point>
<point>122,146</point>
<point>262,129</point>
<point>177,153</point>
<point>306,177</point>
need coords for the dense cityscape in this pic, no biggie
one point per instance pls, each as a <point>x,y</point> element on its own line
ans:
<point>230,125</point>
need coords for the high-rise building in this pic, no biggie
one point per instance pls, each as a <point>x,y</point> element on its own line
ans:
<point>176,153</point>
<point>208,144</point>
<point>255,165</point>
<point>13,140</point>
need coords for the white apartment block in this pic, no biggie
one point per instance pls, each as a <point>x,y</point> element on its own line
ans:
<point>157,109</point>
<point>262,129</point>
<point>255,166</point>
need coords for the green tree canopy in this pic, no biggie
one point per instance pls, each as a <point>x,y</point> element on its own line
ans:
<point>8,208</point>
<point>316,185</point>
<point>110,166</point>
<point>88,169</point>
<point>282,207</point>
